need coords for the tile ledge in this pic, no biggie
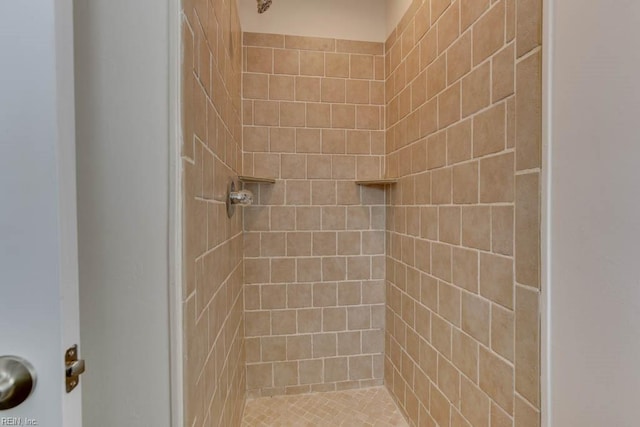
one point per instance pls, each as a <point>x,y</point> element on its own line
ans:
<point>256,179</point>
<point>383,181</point>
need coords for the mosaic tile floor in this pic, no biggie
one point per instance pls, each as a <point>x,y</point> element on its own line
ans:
<point>352,408</point>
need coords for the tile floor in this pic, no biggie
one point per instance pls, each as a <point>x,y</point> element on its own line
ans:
<point>352,408</point>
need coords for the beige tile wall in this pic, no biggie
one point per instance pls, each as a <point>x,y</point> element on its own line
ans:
<point>458,120</point>
<point>463,135</point>
<point>313,115</point>
<point>214,372</point>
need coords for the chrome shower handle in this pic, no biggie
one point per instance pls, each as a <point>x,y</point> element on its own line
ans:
<point>242,197</point>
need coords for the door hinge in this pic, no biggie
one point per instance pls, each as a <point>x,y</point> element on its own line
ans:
<point>74,367</point>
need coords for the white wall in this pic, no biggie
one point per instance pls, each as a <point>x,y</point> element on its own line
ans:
<point>122,95</point>
<point>395,10</point>
<point>351,20</point>
<point>370,20</point>
<point>594,276</point>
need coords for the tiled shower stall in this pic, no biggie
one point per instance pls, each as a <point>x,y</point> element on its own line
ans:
<point>427,284</point>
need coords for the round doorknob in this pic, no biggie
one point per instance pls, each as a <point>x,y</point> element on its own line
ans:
<point>17,381</point>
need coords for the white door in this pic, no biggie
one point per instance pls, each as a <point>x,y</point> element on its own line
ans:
<point>38,249</point>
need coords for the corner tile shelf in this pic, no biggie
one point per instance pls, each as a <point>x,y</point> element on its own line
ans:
<point>256,180</point>
<point>383,181</point>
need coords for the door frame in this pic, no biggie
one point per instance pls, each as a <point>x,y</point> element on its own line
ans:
<point>545,215</point>
<point>176,331</point>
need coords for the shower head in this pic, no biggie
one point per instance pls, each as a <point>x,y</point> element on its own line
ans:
<point>263,5</point>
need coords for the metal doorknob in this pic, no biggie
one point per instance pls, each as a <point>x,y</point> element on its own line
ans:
<point>17,381</point>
